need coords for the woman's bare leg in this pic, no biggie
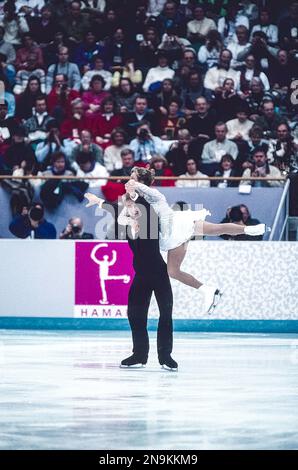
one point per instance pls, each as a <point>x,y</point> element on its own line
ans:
<point>175,259</point>
<point>206,228</point>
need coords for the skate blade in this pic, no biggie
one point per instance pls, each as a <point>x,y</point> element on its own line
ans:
<point>134,366</point>
<point>171,369</point>
<point>217,298</point>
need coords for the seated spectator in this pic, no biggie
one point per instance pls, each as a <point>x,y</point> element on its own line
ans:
<point>270,120</point>
<point>6,49</point>
<point>97,68</point>
<point>161,100</point>
<point>52,144</point>
<point>93,98</point>
<point>64,67</point>
<point>189,59</point>
<point>26,101</point>
<point>125,95</point>
<point>116,188</point>
<point>239,47</point>
<point>240,215</point>
<point>227,24</point>
<point>262,169</point>
<point>112,153</point>
<point>19,154</point>
<point>106,121</point>
<point>157,74</point>
<point>85,52</point>
<point>145,144</point>
<point>86,166</point>
<point>71,127</point>
<point>141,113</point>
<point>13,24</point>
<point>238,129</point>
<point>75,23</point>
<point>256,138</point>
<point>172,45</point>
<point>209,52</point>
<point>250,71</point>
<point>174,121</point>
<point>43,27</point>
<point>53,191</point>
<point>160,166</point>
<point>200,26</point>
<point>192,172</point>
<point>264,54</point>
<point>75,231</point>
<point>283,151</point>
<point>171,16</point>
<point>226,170</point>
<point>266,27</point>
<point>288,37</point>
<point>19,160</point>
<point>282,71</point>
<point>215,149</point>
<point>201,124</point>
<point>146,49</point>
<point>227,102</point>
<point>189,94</point>
<point>118,48</point>
<point>180,151</point>
<point>36,126</point>
<point>128,162</point>
<point>60,98</point>
<point>32,224</point>
<point>216,76</point>
<point>88,147</point>
<point>29,47</point>
<point>255,98</point>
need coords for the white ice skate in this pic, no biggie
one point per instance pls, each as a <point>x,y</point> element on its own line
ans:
<point>256,230</point>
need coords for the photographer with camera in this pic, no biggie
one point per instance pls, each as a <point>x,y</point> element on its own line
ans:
<point>32,224</point>
<point>145,144</point>
<point>261,169</point>
<point>53,143</point>
<point>270,119</point>
<point>74,231</point>
<point>283,151</point>
<point>60,98</point>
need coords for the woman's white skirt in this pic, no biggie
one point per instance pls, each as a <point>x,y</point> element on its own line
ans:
<point>182,228</point>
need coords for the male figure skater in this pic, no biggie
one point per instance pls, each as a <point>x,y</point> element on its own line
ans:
<point>150,276</point>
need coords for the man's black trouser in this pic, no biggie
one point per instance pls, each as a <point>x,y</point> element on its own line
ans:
<point>138,305</point>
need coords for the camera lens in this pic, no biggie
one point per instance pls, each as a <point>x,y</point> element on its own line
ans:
<point>76,229</point>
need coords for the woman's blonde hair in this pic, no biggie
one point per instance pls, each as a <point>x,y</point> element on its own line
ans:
<point>145,175</point>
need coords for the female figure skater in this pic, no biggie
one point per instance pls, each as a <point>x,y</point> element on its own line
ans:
<point>176,229</point>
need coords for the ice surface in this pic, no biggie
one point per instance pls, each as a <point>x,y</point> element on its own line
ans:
<point>65,390</point>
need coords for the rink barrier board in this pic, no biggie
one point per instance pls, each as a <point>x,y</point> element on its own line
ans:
<point>215,326</point>
<point>42,285</point>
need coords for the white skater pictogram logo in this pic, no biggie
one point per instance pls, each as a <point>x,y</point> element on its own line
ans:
<point>103,271</point>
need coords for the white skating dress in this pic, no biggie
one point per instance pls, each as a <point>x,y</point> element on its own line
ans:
<point>176,227</point>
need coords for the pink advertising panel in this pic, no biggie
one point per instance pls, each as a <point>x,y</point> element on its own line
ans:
<point>103,275</point>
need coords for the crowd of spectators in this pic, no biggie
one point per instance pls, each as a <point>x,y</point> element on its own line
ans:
<point>193,88</point>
